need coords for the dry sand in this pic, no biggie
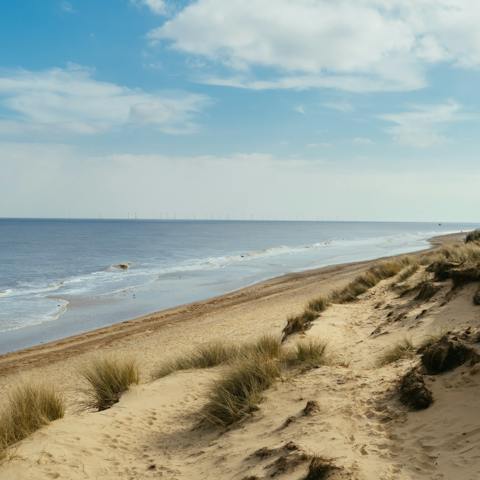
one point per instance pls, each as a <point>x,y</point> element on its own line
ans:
<point>360,423</point>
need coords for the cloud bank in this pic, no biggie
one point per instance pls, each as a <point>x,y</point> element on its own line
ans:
<point>358,46</point>
<point>70,100</point>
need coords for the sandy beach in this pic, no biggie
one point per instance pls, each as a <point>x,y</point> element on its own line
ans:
<point>358,423</point>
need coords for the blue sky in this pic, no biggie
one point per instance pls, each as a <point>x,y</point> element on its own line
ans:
<point>364,109</point>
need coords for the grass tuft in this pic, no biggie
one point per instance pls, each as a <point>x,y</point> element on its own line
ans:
<point>267,346</point>
<point>205,356</point>
<point>310,353</point>
<point>369,279</point>
<point>107,379</point>
<point>29,408</point>
<point>407,272</point>
<point>318,305</point>
<point>461,263</point>
<point>239,390</point>
<point>403,349</point>
<point>219,353</point>
<point>299,323</point>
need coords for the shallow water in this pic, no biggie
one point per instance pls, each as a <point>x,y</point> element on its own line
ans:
<point>60,277</point>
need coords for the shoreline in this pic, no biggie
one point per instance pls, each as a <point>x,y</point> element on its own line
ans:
<point>128,331</point>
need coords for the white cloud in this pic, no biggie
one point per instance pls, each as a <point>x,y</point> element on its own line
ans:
<point>157,7</point>
<point>71,100</point>
<point>299,109</point>
<point>422,125</point>
<point>353,45</point>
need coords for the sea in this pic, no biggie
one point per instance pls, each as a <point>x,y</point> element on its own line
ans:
<point>63,277</point>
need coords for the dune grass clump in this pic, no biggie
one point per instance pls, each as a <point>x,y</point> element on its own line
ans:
<point>473,236</point>
<point>29,408</point>
<point>403,349</point>
<point>369,279</point>
<point>310,353</point>
<point>107,378</point>
<point>460,263</point>
<point>204,356</point>
<point>266,346</point>
<point>407,272</point>
<point>361,284</point>
<point>299,323</point>
<point>239,390</point>
<point>319,304</point>
<point>218,353</point>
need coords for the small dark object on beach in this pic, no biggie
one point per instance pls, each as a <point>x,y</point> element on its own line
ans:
<point>413,391</point>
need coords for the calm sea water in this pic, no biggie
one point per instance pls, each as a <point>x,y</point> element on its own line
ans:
<point>59,277</point>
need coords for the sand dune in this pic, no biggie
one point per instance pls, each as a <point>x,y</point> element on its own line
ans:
<point>356,421</point>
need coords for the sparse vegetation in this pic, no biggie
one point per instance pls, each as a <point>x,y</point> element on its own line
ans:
<point>299,323</point>
<point>318,305</point>
<point>204,356</point>
<point>107,378</point>
<point>403,349</point>
<point>473,236</point>
<point>310,353</point>
<point>302,322</point>
<point>369,279</point>
<point>461,263</point>
<point>267,346</point>
<point>407,272</point>
<point>219,353</point>
<point>239,390</point>
<point>29,408</point>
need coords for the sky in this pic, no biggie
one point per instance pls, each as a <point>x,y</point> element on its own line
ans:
<point>240,109</point>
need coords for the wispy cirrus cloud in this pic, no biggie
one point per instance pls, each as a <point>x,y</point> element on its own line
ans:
<point>71,100</point>
<point>423,125</point>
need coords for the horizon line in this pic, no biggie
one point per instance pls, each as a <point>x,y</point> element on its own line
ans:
<point>203,219</point>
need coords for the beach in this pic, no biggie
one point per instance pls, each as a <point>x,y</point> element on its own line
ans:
<point>149,432</point>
